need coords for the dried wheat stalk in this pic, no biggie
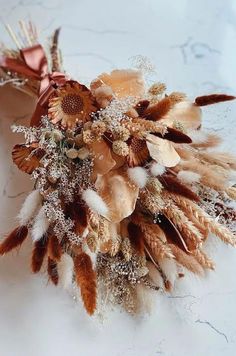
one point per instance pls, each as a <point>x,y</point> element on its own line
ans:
<point>212,225</point>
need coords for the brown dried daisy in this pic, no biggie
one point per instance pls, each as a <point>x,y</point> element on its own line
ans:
<point>72,103</point>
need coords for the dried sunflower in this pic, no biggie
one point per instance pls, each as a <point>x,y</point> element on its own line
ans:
<point>72,103</point>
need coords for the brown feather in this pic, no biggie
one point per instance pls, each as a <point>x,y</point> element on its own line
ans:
<point>173,185</point>
<point>54,248</point>
<point>158,110</point>
<point>174,136</point>
<point>14,239</point>
<point>212,99</point>
<point>136,237</point>
<point>52,271</point>
<point>86,280</point>
<point>38,254</point>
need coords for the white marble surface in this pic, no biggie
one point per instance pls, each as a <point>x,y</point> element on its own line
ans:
<point>192,43</point>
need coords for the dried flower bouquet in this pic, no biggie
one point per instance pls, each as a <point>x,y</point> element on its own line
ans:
<point>127,186</point>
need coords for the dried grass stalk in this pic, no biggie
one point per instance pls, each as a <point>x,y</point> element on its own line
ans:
<point>212,99</point>
<point>211,140</point>
<point>205,220</point>
<point>225,160</point>
<point>86,280</point>
<point>231,192</point>
<point>158,110</point>
<point>38,254</point>
<point>151,202</point>
<point>136,238</point>
<point>14,239</point>
<point>188,230</point>
<point>173,185</point>
<point>54,248</point>
<point>203,259</point>
<point>52,271</point>
<point>154,237</point>
<point>186,260</point>
<point>208,178</point>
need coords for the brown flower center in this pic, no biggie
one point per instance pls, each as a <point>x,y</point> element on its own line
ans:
<point>72,104</point>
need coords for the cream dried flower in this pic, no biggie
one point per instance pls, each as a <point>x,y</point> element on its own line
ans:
<point>120,148</point>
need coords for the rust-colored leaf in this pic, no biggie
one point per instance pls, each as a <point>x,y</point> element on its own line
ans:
<point>27,158</point>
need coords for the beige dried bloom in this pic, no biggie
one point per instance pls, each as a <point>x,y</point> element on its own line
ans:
<point>120,148</point>
<point>88,136</point>
<point>157,89</point>
<point>121,133</point>
<point>98,127</point>
<point>177,97</point>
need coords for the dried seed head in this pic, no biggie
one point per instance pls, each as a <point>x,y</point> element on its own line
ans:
<point>57,135</point>
<point>121,133</point>
<point>157,89</point>
<point>83,153</point>
<point>72,153</point>
<point>98,128</point>
<point>154,185</point>
<point>120,148</point>
<point>88,136</point>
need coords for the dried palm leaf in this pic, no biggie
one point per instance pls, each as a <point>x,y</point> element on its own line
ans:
<point>27,158</point>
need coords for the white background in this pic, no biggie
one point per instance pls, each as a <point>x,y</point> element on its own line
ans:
<point>192,43</point>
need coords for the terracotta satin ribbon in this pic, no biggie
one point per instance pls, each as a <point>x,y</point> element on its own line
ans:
<point>33,64</point>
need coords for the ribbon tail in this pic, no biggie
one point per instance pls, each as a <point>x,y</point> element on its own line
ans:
<point>38,113</point>
<point>15,65</point>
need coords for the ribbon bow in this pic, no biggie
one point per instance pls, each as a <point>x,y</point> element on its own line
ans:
<point>33,64</point>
